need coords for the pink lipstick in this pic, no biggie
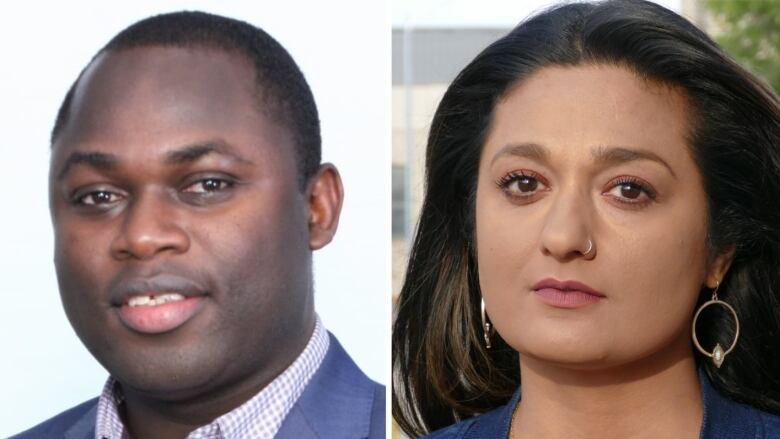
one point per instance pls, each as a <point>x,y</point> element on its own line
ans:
<point>566,294</point>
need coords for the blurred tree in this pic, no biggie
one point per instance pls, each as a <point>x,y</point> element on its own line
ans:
<point>750,31</point>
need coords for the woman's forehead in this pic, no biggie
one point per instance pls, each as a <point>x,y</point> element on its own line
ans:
<point>576,110</point>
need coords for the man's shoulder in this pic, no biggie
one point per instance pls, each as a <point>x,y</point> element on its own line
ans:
<point>339,401</point>
<point>57,426</point>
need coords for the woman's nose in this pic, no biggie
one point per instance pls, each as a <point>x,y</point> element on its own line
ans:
<point>566,233</point>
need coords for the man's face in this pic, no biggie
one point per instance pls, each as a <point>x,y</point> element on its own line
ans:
<point>181,236</point>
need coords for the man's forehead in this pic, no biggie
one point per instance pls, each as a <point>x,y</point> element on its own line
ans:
<point>160,91</point>
<point>150,77</point>
<point>159,61</point>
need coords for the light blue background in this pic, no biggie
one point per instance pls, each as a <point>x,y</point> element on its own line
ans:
<point>44,368</point>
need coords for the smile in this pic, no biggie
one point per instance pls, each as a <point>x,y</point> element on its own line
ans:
<point>156,314</point>
<point>152,300</point>
<point>158,304</point>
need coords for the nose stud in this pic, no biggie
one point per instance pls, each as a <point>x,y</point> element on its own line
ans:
<point>590,248</point>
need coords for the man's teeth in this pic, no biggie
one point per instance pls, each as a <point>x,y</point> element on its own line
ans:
<point>153,300</point>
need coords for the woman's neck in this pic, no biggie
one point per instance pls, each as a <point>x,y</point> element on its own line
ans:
<point>658,396</point>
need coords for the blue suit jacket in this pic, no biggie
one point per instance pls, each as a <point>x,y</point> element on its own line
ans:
<point>723,419</point>
<point>339,402</point>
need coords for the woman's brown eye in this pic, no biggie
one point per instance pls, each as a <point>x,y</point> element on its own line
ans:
<point>526,184</point>
<point>521,186</point>
<point>630,191</point>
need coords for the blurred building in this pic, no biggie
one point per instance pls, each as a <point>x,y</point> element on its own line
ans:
<point>424,61</point>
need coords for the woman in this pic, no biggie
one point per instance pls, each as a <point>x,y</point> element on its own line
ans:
<point>601,222</point>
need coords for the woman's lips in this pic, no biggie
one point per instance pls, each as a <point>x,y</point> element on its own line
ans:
<point>159,318</point>
<point>566,299</point>
<point>568,294</point>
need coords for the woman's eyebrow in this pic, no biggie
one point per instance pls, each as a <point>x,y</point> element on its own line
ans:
<point>602,155</point>
<point>615,155</point>
<point>527,150</point>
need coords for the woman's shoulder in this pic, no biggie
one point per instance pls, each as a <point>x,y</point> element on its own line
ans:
<point>493,424</point>
<point>725,417</point>
<point>748,421</point>
<point>771,424</point>
<point>485,425</point>
<point>454,431</point>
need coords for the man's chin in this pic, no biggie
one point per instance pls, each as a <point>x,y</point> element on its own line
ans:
<point>170,377</point>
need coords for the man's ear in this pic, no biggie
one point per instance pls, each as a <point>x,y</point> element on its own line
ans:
<point>324,196</point>
<point>720,266</point>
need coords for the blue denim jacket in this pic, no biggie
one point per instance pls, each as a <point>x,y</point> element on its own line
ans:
<point>723,419</point>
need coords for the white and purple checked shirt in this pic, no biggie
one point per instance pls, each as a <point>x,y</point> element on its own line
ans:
<point>260,417</point>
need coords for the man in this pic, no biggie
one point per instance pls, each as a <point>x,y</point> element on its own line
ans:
<point>187,195</point>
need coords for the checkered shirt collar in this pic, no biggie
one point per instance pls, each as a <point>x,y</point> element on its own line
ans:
<point>260,417</point>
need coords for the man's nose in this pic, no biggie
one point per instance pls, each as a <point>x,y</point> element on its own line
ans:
<point>567,230</point>
<point>151,226</point>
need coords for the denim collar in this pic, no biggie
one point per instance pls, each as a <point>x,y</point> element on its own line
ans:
<point>723,418</point>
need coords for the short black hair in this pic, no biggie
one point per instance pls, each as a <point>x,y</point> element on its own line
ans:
<point>282,89</point>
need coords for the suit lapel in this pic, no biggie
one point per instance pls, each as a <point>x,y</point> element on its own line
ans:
<point>337,401</point>
<point>84,428</point>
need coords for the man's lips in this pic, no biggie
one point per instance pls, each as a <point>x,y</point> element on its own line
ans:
<point>157,304</point>
<point>165,317</point>
<point>122,291</point>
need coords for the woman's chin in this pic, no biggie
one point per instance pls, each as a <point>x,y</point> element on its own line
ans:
<point>579,352</point>
<point>568,357</point>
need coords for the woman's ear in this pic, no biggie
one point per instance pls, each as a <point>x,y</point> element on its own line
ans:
<point>324,196</point>
<point>720,266</point>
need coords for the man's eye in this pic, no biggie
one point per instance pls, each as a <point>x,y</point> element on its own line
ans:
<point>208,185</point>
<point>96,198</point>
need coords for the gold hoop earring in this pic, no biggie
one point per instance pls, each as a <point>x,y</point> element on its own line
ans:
<point>487,328</point>
<point>717,354</point>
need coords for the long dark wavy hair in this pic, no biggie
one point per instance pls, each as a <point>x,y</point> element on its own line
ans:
<point>442,372</point>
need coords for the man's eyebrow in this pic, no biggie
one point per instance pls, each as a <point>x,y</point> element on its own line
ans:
<point>195,152</point>
<point>187,154</point>
<point>97,160</point>
<point>613,155</point>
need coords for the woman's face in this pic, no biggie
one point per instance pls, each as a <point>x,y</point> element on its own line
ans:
<point>591,153</point>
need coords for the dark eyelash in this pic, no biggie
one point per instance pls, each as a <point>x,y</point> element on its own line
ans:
<point>227,182</point>
<point>644,187</point>
<point>78,198</point>
<point>507,179</point>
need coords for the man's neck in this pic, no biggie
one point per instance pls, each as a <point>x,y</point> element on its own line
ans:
<point>148,417</point>
<point>655,397</point>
